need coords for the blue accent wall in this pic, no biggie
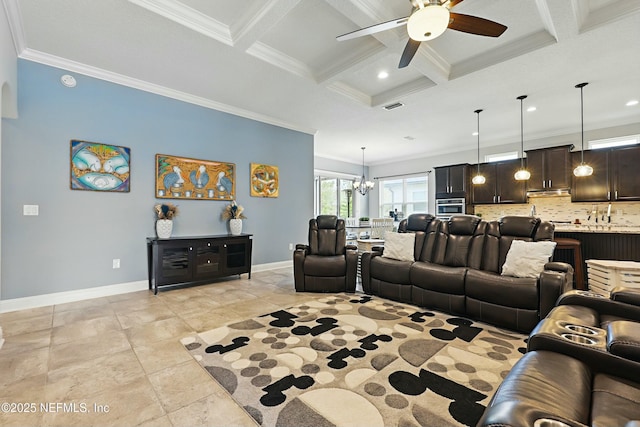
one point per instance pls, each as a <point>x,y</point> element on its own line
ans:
<point>72,242</point>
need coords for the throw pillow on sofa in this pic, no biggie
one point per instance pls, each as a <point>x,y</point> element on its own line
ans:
<point>527,259</point>
<point>399,246</point>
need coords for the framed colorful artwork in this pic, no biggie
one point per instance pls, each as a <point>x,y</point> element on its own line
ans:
<point>264,180</point>
<point>184,178</point>
<point>100,167</point>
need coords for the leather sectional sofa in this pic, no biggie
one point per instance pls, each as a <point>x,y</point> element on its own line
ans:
<point>457,269</point>
<point>582,367</point>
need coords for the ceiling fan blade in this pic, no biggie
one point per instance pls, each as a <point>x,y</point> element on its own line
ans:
<point>452,3</point>
<point>409,51</point>
<point>374,29</point>
<point>475,25</point>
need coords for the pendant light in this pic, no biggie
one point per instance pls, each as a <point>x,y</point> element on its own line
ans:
<point>478,179</point>
<point>522,174</point>
<point>582,169</point>
<point>363,186</point>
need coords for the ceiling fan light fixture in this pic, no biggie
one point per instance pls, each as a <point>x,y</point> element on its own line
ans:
<point>428,22</point>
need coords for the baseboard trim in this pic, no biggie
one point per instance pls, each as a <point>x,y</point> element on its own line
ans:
<point>36,301</point>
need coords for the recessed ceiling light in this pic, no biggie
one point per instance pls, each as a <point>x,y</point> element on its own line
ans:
<point>530,109</point>
<point>632,103</point>
<point>383,75</point>
<point>475,134</point>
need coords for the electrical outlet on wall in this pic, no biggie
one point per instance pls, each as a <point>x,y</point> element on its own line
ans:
<point>290,246</point>
<point>116,263</point>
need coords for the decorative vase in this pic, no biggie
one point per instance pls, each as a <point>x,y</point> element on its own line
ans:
<point>236,226</point>
<point>164,228</point>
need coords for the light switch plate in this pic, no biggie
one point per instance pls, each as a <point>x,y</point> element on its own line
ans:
<point>30,210</point>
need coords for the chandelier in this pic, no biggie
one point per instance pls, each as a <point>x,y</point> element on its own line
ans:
<point>363,186</point>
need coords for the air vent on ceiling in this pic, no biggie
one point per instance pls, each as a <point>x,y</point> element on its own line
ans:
<point>393,106</point>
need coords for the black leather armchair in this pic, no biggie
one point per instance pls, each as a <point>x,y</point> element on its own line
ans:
<point>326,264</point>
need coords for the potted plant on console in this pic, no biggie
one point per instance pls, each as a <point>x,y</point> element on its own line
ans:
<point>233,212</point>
<point>165,213</point>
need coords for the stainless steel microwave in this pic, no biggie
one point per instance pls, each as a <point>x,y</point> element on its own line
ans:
<point>445,208</point>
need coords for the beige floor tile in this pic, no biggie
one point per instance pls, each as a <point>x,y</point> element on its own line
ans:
<point>108,342</point>
<point>81,305</point>
<point>205,321</point>
<point>26,342</point>
<point>85,379</point>
<point>162,354</point>
<point>29,324</point>
<point>180,385</point>
<point>125,405</point>
<point>216,409</point>
<point>132,296</point>
<point>150,333</point>
<point>28,390</point>
<point>163,421</point>
<point>148,314</point>
<point>124,306</point>
<point>252,308</point>
<point>84,329</point>
<point>25,314</point>
<point>67,317</point>
<point>16,367</point>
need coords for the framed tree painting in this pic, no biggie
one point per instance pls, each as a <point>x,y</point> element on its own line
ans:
<point>264,180</point>
<point>185,178</point>
<point>100,167</point>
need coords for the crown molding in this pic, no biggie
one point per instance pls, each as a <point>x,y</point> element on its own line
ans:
<point>280,60</point>
<point>98,73</point>
<point>14,16</point>
<point>188,17</point>
<point>350,92</point>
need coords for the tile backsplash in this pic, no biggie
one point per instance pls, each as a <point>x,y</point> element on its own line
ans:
<point>560,208</point>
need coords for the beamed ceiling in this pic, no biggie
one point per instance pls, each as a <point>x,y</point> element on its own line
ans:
<point>278,61</point>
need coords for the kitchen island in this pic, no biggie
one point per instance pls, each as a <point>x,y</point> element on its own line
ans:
<point>604,242</point>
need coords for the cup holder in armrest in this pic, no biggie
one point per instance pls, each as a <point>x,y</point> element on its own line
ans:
<point>548,422</point>
<point>579,339</point>
<point>582,330</point>
<point>590,294</point>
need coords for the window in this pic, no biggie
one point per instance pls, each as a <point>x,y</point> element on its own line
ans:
<point>404,195</point>
<point>334,196</point>
<point>501,157</point>
<point>614,142</point>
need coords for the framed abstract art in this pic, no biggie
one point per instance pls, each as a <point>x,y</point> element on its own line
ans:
<point>100,167</point>
<point>185,178</point>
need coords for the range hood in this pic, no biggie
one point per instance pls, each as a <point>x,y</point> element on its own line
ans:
<point>549,193</point>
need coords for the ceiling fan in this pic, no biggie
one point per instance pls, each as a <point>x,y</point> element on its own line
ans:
<point>428,20</point>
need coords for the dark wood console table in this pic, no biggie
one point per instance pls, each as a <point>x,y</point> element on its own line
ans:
<point>197,260</point>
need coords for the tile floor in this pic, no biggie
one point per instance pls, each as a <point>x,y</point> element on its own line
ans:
<point>118,361</point>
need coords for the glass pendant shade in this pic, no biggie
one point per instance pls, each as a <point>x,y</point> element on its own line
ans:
<point>428,22</point>
<point>582,169</point>
<point>478,179</point>
<point>363,185</point>
<point>522,174</point>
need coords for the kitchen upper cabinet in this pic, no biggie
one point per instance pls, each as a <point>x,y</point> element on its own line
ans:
<point>500,185</point>
<point>452,181</point>
<point>614,175</point>
<point>596,187</point>
<point>550,168</point>
<point>624,172</point>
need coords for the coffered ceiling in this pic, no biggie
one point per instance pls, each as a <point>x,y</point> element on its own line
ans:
<point>278,61</point>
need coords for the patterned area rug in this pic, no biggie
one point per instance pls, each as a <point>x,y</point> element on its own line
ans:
<point>351,360</point>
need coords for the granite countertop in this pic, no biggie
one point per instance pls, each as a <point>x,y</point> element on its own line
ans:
<point>598,228</point>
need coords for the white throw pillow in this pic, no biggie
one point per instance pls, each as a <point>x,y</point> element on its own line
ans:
<point>399,246</point>
<point>527,259</point>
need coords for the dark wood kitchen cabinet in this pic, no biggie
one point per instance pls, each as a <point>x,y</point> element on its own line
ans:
<point>624,173</point>
<point>197,260</point>
<point>614,175</point>
<point>550,168</point>
<point>594,188</point>
<point>500,185</point>
<point>452,181</point>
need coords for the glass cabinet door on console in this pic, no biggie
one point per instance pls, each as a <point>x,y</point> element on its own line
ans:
<point>197,260</point>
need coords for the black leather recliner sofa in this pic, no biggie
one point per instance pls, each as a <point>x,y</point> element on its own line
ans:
<point>457,269</point>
